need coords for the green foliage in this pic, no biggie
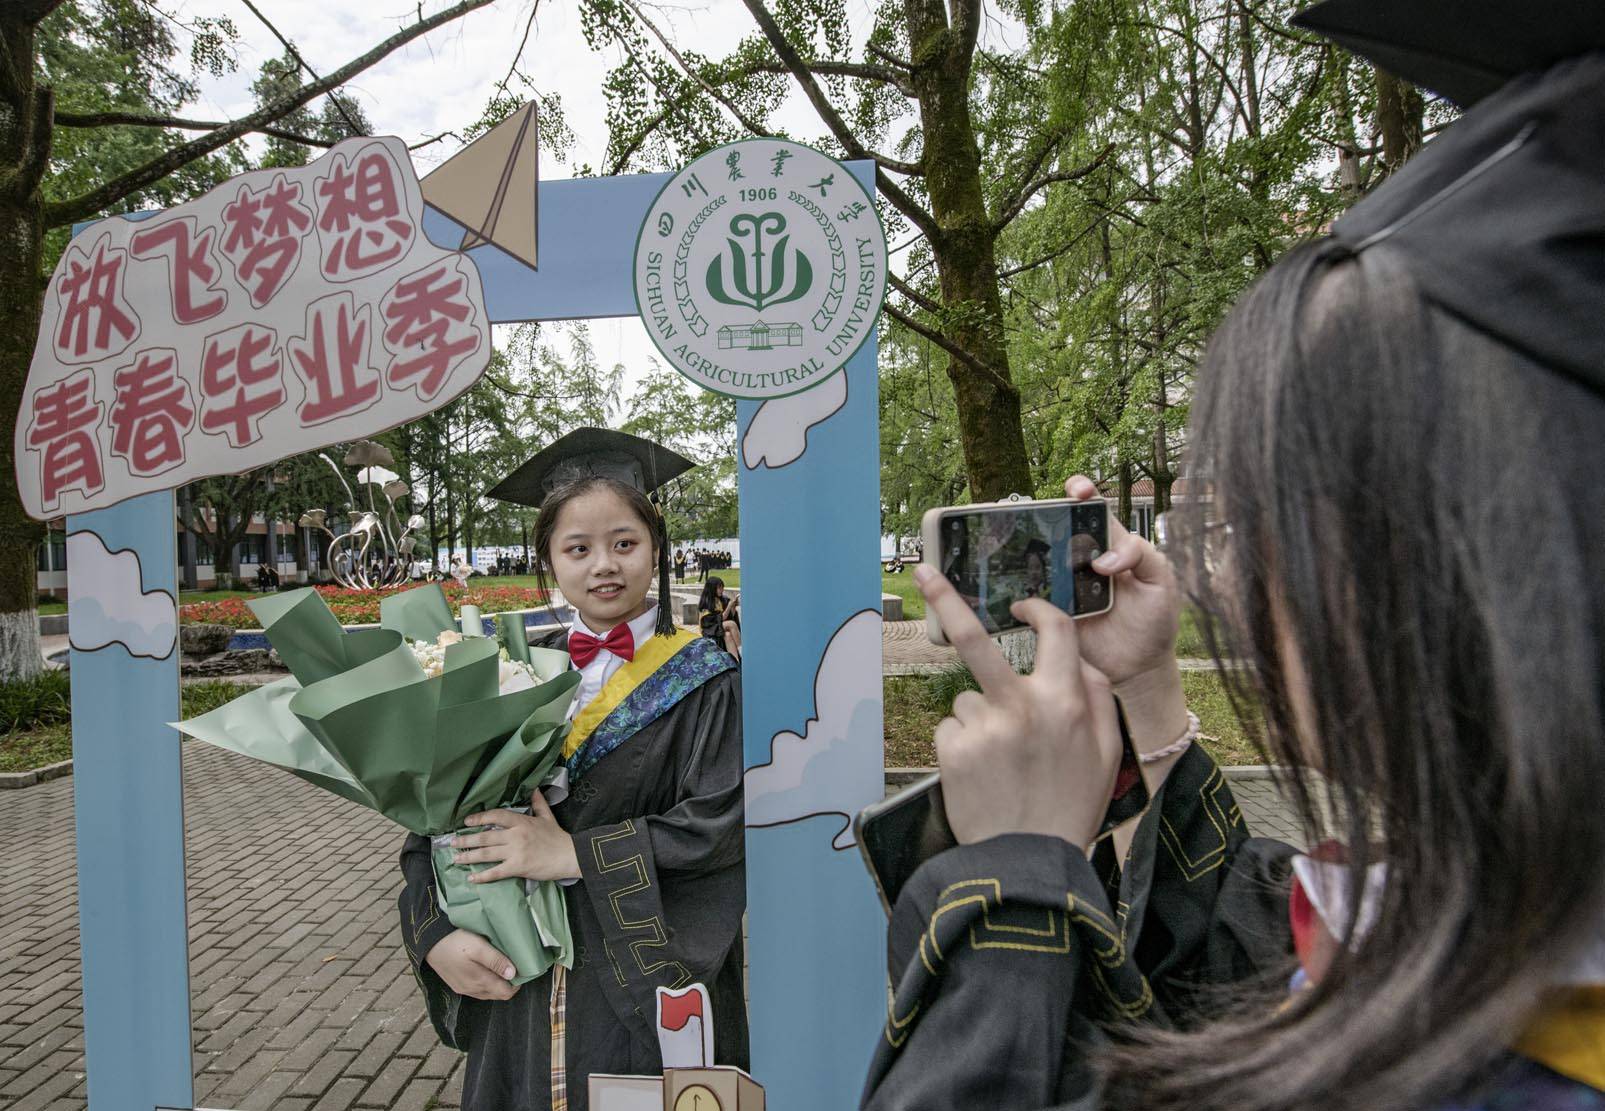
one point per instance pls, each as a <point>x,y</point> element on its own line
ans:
<point>121,56</point>
<point>916,704</point>
<point>337,116</point>
<point>28,703</point>
<point>36,717</point>
<point>700,425</point>
<point>202,698</point>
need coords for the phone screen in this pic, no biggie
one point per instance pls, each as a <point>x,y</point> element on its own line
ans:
<point>905,831</point>
<point>999,555</point>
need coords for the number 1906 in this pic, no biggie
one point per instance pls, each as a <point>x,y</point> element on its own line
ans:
<point>757,194</point>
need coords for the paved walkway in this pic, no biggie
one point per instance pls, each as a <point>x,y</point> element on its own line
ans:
<point>302,997</point>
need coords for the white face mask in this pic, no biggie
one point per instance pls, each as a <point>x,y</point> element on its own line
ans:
<point>1327,886</point>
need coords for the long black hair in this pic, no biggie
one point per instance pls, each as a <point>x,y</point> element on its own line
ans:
<point>1415,576</point>
<point>710,593</point>
<point>643,507</point>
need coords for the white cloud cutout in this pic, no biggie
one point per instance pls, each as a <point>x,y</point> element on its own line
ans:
<point>835,767</point>
<point>778,434</point>
<point>109,603</point>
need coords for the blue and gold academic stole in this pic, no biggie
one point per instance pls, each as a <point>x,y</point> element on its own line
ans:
<point>664,671</point>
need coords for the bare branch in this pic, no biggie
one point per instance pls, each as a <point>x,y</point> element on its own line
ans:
<point>518,55</point>
<point>1057,252</point>
<point>741,117</point>
<point>833,120</point>
<point>913,294</point>
<point>82,207</point>
<point>433,139</point>
<point>1015,206</point>
<point>137,119</point>
<point>935,337</point>
<point>889,58</point>
<point>843,69</point>
<point>302,62</point>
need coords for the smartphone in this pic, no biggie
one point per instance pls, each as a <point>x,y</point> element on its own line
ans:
<point>998,553</point>
<point>897,835</point>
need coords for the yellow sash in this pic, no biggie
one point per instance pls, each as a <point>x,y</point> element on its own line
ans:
<point>1568,1036</point>
<point>649,656</point>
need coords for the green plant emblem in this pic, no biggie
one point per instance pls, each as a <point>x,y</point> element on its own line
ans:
<point>749,283</point>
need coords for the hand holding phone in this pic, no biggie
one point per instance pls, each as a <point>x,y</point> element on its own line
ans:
<point>1031,753</point>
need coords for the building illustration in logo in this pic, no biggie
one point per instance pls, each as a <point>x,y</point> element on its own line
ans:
<point>760,269</point>
<point>760,336</point>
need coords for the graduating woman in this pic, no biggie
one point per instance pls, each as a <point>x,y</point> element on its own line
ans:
<point>650,833</point>
<point>1426,641</point>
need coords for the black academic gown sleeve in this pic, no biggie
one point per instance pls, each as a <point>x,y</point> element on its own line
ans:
<point>1008,956</point>
<point>667,886</point>
<point>423,925</point>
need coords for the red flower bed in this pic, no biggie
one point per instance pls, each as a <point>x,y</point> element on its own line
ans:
<point>361,607</point>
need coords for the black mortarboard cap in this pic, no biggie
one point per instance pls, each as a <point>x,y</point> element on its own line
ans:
<point>1501,219</point>
<point>588,453</point>
<point>602,453</point>
<point>1462,49</point>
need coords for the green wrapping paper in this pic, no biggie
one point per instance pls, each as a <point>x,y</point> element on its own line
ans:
<point>361,718</point>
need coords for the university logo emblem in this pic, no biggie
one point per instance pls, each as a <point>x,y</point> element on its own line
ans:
<point>760,268</point>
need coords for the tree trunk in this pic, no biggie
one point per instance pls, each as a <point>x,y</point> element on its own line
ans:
<point>186,542</point>
<point>1123,491</point>
<point>24,153</point>
<point>1400,108</point>
<point>965,250</point>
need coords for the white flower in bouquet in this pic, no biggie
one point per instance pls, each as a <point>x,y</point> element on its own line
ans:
<point>511,675</point>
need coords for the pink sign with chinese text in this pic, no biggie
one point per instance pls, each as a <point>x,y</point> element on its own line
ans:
<point>286,310</point>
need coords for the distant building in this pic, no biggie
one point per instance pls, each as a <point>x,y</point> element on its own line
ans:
<point>253,553</point>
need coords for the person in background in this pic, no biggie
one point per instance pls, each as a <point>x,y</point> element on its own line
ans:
<point>1424,641</point>
<point>713,614</point>
<point>679,565</point>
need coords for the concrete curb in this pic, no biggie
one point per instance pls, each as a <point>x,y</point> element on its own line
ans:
<point>11,780</point>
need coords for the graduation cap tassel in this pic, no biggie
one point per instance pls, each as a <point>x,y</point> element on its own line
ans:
<point>665,625</point>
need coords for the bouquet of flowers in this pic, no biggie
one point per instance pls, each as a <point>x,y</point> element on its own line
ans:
<point>424,726</point>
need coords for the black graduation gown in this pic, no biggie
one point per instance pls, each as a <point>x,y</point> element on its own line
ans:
<point>658,828</point>
<point>1006,955</point>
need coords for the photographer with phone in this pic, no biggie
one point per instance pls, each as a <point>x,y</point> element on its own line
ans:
<point>1424,638</point>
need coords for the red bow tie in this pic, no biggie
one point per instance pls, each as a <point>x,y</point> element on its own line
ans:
<point>583,647</point>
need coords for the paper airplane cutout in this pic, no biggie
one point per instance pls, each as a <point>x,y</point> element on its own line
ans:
<point>489,187</point>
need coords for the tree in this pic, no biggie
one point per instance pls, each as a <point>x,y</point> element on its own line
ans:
<point>220,510</point>
<point>31,205</point>
<point>920,68</point>
<point>701,426</point>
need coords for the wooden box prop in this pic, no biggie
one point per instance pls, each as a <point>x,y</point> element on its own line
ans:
<point>720,1088</point>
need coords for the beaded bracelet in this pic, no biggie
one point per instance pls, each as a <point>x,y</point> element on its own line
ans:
<point>1176,746</point>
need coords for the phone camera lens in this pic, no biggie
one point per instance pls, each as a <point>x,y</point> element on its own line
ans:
<point>1097,587</point>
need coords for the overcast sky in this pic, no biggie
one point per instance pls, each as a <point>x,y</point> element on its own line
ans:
<point>443,81</point>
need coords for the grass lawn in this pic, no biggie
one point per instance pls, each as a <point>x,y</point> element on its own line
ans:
<point>25,749</point>
<point>916,703</point>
